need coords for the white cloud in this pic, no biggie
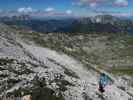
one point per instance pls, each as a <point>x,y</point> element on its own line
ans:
<point>121,2</point>
<point>92,5</point>
<point>87,1</point>
<point>49,9</point>
<point>123,14</point>
<point>69,12</point>
<point>25,9</point>
<point>100,3</point>
<point>77,3</point>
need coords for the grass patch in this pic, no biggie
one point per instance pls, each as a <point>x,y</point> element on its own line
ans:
<point>117,46</point>
<point>121,71</point>
<point>86,97</point>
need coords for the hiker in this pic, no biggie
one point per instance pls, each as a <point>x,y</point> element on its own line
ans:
<point>103,81</point>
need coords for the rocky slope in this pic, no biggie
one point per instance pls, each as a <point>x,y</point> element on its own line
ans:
<point>28,66</point>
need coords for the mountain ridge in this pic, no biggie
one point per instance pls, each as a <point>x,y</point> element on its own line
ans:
<point>99,23</point>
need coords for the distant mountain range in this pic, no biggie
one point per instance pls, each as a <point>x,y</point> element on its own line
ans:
<point>15,18</point>
<point>100,23</point>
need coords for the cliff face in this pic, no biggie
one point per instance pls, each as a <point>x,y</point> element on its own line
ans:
<point>27,68</point>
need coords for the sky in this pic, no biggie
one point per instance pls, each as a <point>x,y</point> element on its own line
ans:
<point>70,7</point>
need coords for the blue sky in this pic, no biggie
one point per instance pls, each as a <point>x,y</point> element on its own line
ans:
<point>74,7</point>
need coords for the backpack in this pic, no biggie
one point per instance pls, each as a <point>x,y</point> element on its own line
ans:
<point>103,80</point>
